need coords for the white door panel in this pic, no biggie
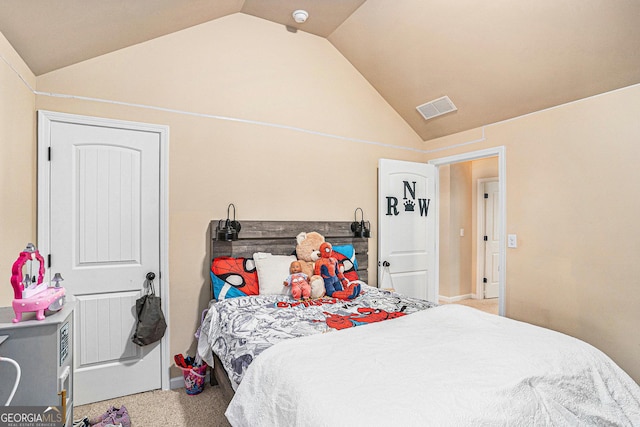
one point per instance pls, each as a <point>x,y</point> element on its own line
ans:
<point>104,238</point>
<point>492,241</point>
<point>108,315</point>
<point>406,222</point>
<point>108,199</point>
<point>415,284</point>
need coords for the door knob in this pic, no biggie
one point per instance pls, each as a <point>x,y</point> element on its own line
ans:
<point>151,275</point>
<point>385,263</point>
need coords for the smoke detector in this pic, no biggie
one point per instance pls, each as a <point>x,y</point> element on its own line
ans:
<point>436,108</point>
<point>300,16</point>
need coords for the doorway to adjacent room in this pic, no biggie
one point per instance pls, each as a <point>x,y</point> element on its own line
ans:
<point>466,260</point>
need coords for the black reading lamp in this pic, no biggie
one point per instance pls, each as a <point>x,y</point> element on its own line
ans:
<point>362,228</point>
<point>229,231</point>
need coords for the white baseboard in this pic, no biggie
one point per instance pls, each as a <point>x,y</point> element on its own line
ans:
<point>454,299</point>
<point>176,382</point>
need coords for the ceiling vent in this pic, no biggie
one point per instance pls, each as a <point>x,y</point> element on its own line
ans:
<point>436,108</point>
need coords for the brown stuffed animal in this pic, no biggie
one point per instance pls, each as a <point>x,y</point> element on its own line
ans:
<point>308,252</point>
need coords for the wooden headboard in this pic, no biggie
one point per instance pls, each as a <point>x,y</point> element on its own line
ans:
<point>279,238</point>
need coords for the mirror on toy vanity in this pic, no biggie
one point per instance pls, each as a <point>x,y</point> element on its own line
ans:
<point>31,294</point>
<point>27,273</point>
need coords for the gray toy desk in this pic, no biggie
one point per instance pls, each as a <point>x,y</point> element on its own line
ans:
<point>44,351</point>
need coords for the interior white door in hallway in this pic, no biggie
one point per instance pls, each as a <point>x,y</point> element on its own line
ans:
<point>104,237</point>
<point>491,277</point>
<point>407,228</point>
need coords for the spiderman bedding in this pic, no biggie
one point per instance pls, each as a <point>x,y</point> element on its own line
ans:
<point>239,329</point>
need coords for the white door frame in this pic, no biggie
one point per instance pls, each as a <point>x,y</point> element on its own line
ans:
<point>44,208</point>
<point>480,243</point>
<point>500,152</point>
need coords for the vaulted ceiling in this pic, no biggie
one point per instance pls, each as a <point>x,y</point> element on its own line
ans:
<point>494,59</point>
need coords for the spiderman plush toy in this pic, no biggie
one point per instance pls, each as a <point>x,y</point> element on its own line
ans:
<point>327,267</point>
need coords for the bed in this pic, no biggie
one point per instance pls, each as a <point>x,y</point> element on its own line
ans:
<point>386,359</point>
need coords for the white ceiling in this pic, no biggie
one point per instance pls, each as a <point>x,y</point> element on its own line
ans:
<point>495,59</point>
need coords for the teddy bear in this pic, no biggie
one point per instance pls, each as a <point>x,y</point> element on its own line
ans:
<point>308,252</point>
<point>300,287</point>
<point>335,284</point>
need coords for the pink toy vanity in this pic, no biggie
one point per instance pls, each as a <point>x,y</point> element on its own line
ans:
<point>30,293</point>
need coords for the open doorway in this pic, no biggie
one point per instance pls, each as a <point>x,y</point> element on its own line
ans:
<point>472,267</point>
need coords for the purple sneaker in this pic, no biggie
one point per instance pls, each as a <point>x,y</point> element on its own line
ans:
<point>99,418</point>
<point>113,417</point>
<point>123,419</point>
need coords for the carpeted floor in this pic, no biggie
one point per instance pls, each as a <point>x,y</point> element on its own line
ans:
<point>172,408</point>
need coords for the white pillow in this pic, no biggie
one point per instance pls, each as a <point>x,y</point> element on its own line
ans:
<point>272,272</point>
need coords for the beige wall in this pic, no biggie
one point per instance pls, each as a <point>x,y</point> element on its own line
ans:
<point>455,214</point>
<point>572,199</point>
<point>461,198</point>
<point>445,262</point>
<point>17,163</point>
<point>295,155</point>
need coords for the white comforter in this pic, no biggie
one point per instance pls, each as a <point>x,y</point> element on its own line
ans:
<point>446,366</point>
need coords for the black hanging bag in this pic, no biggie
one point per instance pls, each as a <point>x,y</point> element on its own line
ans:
<point>151,324</point>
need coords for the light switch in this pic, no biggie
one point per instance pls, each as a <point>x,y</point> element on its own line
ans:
<point>512,241</point>
<point>462,232</point>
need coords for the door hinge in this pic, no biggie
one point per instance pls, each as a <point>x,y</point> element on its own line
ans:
<point>486,238</point>
<point>486,195</point>
<point>484,280</point>
<point>49,153</point>
<point>49,261</point>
